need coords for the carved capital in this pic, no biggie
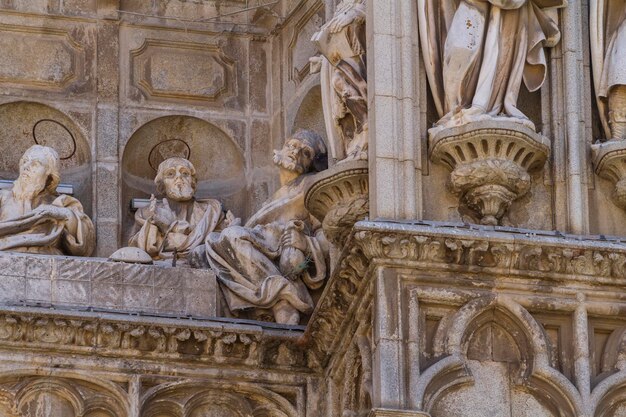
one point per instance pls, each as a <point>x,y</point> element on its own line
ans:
<point>339,198</point>
<point>490,163</point>
<point>609,159</point>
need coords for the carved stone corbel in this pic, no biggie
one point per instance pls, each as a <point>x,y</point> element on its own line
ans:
<point>490,163</point>
<point>609,160</point>
<point>339,198</point>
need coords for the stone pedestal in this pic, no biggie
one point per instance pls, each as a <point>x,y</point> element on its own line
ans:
<point>609,160</point>
<point>490,163</point>
<point>339,198</point>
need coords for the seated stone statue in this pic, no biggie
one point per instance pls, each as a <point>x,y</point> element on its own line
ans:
<point>35,219</point>
<point>178,223</point>
<point>281,250</point>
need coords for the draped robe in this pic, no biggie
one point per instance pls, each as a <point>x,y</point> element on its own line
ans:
<point>23,230</point>
<point>246,258</point>
<point>477,53</point>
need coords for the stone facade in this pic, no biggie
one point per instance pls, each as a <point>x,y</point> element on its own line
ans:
<point>479,270</point>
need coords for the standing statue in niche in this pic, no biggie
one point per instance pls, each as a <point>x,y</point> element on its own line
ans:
<point>344,80</point>
<point>35,219</point>
<point>608,49</point>
<point>272,261</point>
<point>477,52</point>
<point>178,223</point>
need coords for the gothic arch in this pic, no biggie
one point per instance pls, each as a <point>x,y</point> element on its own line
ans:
<point>193,398</point>
<point>490,335</point>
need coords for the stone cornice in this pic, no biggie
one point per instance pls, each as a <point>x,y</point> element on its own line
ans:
<point>221,342</point>
<point>495,252</point>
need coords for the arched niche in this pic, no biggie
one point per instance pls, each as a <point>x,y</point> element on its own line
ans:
<point>27,123</point>
<point>218,161</point>
<point>498,363</point>
<point>310,114</point>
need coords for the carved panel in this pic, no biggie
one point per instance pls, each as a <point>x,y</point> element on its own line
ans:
<point>182,71</point>
<point>211,399</point>
<point>60,59</point>
<point>300,47</point>
<point>31,396</point>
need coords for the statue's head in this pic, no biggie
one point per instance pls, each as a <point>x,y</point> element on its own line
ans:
<point>39,170</point>
<point>176,179</point>
<point>303,152</point>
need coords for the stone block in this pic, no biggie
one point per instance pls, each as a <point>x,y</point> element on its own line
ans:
<point>38,289</point>
<point>12,266</point>
<point>138,297</point>
<point>101,284</point>
<point>107,294</point>
<point>71,292</point>
<point>108,190</point>
<point>12,288</point>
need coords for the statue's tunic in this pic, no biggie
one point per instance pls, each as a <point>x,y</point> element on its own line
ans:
<point>614,70</point>
<point>477,53</point>
<point>247,259</point>
<point>195,219</point>
<point>25,230</point>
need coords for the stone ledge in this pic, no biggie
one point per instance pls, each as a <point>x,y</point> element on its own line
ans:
<point>222,341</point>
<point>481,255</point>
<point>72,282</point>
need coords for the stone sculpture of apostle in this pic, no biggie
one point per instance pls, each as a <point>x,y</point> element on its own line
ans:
<point>178,223</point>
<point>35,219</point>
<point>272,261</point>
<point>478,52</point>
<point>608,52</point>
<point>344,80</point>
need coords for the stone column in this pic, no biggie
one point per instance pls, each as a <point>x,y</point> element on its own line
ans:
<point>107,214</point>
<point>572,93</point>
<point>394,156</point>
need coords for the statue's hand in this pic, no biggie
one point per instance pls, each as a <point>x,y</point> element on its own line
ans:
<point>293,237</point>
<point>163,216</point>
<point>54,212</point>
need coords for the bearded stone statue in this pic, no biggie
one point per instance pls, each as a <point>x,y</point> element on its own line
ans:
<point>280,253</point>
<point>178,223</point>
<point>35,219</point>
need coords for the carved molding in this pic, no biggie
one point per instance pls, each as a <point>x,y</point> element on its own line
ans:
<point>61,60</point>
<point>183,71</point>
<point>549,258</point>
<point>143,337</point>
<point>299,71</point>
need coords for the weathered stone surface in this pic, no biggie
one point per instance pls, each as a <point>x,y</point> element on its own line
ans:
<point>104,285</point>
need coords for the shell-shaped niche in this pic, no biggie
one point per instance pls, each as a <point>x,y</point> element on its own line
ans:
<point>27,123</point>
<point>219,162</point>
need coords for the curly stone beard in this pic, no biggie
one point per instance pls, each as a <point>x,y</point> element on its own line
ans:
<point>27,187</point>
<point>283,160</point>
<point>180,191</point>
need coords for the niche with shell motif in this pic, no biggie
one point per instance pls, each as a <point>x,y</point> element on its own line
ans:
<point>219,162</point>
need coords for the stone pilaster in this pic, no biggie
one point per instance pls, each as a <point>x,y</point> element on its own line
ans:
<point>395,164</point>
